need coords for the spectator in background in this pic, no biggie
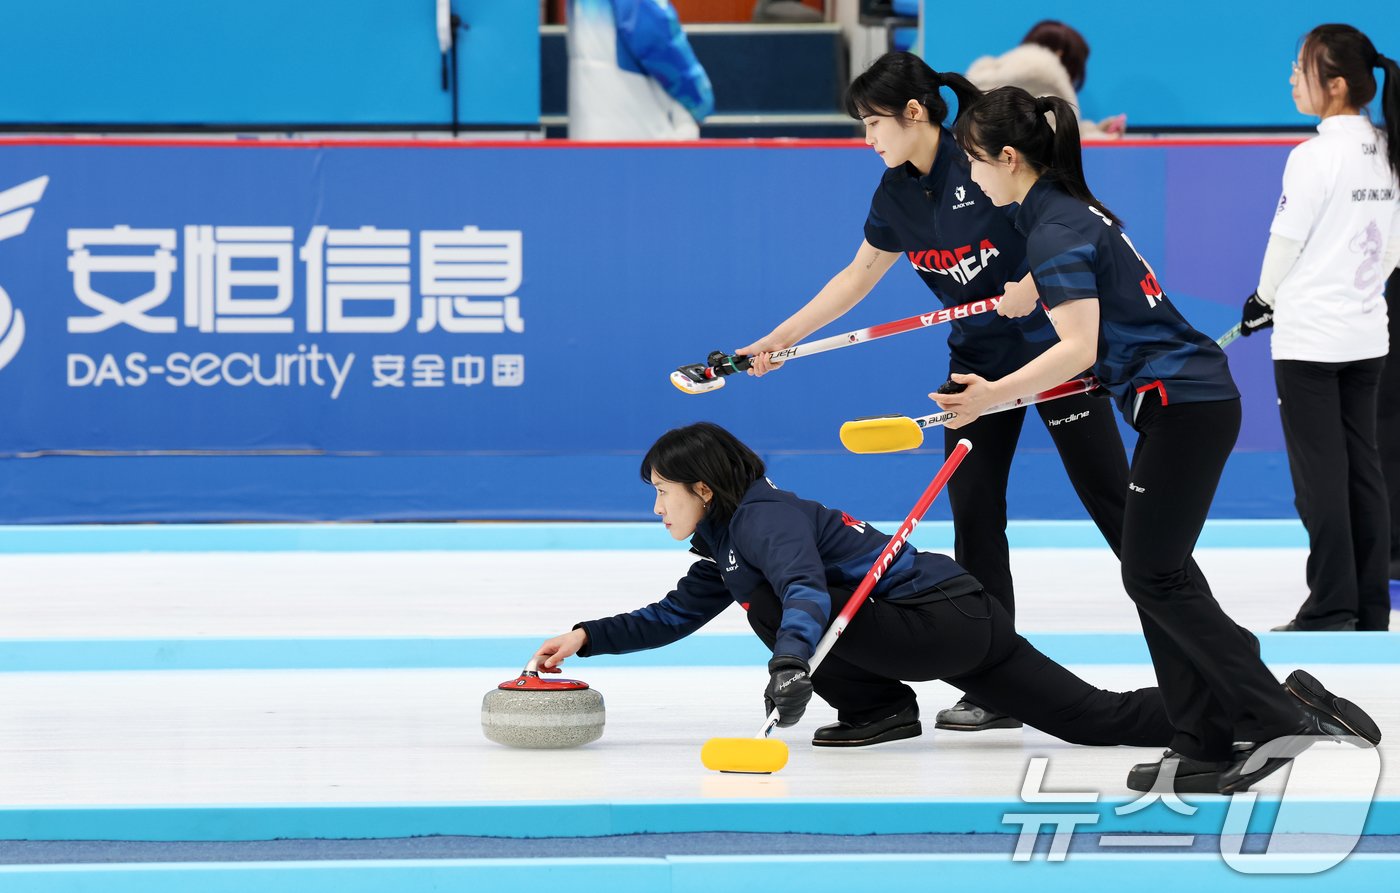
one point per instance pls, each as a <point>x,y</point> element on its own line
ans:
<point>632,73</point>
<point>1050,61</point>
<point>1334,239</point>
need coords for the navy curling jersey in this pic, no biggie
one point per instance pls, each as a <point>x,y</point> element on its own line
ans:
<point>965,249</point>
<point>1145,344</point>
<point>797,547</point>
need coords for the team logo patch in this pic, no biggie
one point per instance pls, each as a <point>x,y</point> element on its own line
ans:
<point>852,522</point>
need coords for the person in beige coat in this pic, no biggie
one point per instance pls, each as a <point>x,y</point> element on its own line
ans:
<point>1049,62</point>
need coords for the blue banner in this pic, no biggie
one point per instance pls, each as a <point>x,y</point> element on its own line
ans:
<point>491,328</point>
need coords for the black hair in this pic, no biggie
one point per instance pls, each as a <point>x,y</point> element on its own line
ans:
<point>705,452</point>
<point>1065,42</point>
<point>886,87</point>
<point>1009,116</point>
<point>1341,51</point>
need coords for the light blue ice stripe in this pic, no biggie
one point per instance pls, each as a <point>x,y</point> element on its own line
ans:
<point>532,536</point>
<point>506,653</point>
<point>536,819</point>
<point>509,652</point>
<point>1167,873</point>
<point>369,876</point>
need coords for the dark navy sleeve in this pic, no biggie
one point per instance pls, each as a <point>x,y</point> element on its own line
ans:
<point>698,598</point>
<point>779,541</point>
<point>877,231</point>
<point>1062,264</point>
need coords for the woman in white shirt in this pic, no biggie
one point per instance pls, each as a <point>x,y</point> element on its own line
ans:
<point>1334,240</point>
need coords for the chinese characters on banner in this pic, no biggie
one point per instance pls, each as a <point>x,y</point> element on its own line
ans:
<point>242,279</point>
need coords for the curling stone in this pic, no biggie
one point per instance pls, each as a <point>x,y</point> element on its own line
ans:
<point>529,711</point>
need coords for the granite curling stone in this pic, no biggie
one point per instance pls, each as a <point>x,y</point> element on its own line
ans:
<point>542,713</point>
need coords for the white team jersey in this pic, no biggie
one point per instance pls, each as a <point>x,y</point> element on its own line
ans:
<point>1341,200</point>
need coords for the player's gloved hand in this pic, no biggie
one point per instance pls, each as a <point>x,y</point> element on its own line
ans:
<point>789,689</point>
<point>951,387</point>
<point>1257,315</point>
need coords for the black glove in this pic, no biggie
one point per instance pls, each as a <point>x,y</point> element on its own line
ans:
<point>789,689</point>
<point>951,387</point>
<point>1257,315</point>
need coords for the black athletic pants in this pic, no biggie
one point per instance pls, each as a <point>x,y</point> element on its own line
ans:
<point>1388,422</point>
<point>1215,687</point>
<point>1087,438</point>
<point>1329,426</point>
<point>970,642</point>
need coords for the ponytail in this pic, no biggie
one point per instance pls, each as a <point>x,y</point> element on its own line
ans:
<point>931,99</point>
<point>966,92</point>
<point>895,78</point>
<point>1066,165</point>
<point>1341,51</point>
<point>1390,109</point>
<point>1009,116</point>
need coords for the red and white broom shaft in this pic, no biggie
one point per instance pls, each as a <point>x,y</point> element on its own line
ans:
<point>732,364</point>
<point>886,329</point>
<point>1068,389</point>
<point>882,564</point>
<point>891,550</point>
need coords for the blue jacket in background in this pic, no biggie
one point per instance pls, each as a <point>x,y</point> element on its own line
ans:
<point>632,73</point>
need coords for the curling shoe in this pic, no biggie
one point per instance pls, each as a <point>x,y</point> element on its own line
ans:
<point>964,716</point>
<point>1331,716</point>
<point>1293,626</point>
<point>1324,716</point>
<point>904,724</point>
<point>1188,776</point>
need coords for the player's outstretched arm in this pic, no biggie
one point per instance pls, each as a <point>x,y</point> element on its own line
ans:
<point>845,290</point>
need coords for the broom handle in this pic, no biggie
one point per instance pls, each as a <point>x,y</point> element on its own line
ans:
<point>882,564</point>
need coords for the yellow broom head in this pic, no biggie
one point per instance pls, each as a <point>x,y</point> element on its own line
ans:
<point>882,434</point>
<point>755,755</point>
